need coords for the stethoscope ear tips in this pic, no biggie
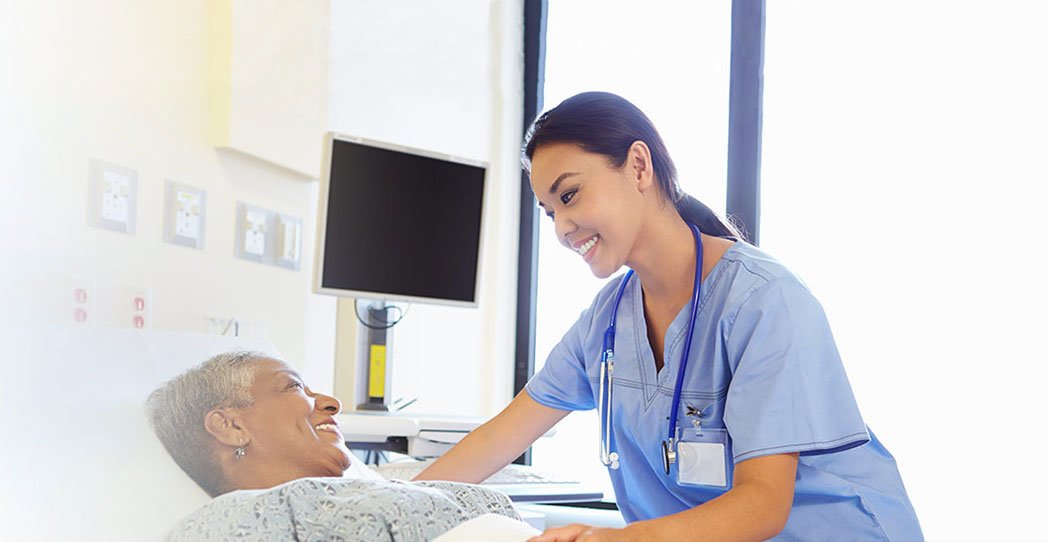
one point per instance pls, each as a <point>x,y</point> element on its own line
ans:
<point>614,457</point>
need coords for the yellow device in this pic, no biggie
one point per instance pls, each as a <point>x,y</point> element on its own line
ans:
<point>377,371</point>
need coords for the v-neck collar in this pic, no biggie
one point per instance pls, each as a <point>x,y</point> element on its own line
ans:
<point>651,380</point>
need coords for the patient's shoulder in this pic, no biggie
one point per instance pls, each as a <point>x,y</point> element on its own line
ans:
<point>342,508</point>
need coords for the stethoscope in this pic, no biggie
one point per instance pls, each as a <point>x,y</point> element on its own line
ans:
<point>607,367</point>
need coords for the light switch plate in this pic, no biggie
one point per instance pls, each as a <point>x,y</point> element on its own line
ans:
<point>112,198</point>
<point>254,233</point>
<point>184,212</point>
<point>288,241</point>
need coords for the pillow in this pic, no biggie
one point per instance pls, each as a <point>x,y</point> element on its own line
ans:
<point>359,471</point>
<point>79,459</point>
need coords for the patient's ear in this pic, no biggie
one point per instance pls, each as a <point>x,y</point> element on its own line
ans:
<point>225,424</point>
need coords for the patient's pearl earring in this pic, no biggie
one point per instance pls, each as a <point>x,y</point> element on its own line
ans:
<point>240,452</point>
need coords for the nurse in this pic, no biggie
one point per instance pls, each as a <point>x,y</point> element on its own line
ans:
<point>725,409</point>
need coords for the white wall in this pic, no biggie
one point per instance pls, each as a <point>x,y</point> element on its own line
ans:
<point>444,76</point>
<point>127,82</point>
<point>130,84</point>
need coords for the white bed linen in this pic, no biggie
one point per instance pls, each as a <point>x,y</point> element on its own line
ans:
<point>490,528</point>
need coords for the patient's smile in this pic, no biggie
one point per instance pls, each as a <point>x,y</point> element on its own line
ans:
<point>328,427</point>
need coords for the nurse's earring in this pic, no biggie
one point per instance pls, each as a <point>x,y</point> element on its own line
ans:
<point>240,452</point>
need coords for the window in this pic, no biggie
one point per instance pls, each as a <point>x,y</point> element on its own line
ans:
<point>903,178</point>
<point>672,60</point>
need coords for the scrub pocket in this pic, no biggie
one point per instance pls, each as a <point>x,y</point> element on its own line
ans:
<point>705,460</point>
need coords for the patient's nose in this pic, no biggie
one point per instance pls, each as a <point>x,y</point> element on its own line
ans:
<point>328,404</point>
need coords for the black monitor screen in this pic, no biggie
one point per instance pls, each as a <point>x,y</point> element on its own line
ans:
<point>401,225</point>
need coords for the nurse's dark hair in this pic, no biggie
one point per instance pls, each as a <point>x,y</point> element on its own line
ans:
<point>607,124</point>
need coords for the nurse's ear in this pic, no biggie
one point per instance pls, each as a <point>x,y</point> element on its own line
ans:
<point>639,167</point>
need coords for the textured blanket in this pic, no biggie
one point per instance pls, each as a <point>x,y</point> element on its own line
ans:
<point>341,509</point>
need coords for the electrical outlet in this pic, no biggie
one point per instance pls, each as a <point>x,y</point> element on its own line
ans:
<point>187,215</point>
<point>116,190</point>
<point>184,215</point>
<point>289,241</point>
<point>253,233</point>
<point>138,307</point>
<point>80,295</point>
<point>113,197</point>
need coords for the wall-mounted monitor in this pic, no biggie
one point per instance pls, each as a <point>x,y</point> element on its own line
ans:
<point>398,223</point>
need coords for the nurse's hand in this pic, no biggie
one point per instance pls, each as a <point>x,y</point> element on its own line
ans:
<point>582,533</point>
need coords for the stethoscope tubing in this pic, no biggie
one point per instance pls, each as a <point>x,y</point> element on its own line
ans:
<point>608,457</point>
<point>696,290</point>
<point>607,367</point>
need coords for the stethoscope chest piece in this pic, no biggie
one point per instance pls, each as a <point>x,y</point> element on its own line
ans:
<point>669,455</point>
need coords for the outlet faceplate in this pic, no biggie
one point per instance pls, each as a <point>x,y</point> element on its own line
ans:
<point>184,215</point>
<point>112,198</point>
<point>254,233</point>
<point>288,241</point>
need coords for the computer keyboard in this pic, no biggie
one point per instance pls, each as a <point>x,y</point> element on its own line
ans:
<point>512,474</point>
<point>524,474</point>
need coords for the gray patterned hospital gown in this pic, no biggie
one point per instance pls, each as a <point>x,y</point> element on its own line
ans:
<point>342,509</point>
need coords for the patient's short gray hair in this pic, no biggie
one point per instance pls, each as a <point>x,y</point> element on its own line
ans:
<point>177,410</point>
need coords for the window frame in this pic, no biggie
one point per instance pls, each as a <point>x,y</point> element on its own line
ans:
<point>745,117</point>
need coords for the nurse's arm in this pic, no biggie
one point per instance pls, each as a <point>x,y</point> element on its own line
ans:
<point>493,445</point>
<point>756,508</point>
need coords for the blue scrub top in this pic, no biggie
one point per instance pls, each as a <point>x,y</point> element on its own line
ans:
<point>764,367</point>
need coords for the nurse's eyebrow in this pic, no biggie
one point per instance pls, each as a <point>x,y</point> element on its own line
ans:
<point>556,184</point>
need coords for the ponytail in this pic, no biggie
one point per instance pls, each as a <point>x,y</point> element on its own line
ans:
<point>696,212</point>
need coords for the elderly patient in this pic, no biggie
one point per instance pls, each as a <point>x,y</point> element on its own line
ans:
<point>248,430</point>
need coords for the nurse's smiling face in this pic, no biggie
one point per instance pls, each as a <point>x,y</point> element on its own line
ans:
<point>597,208</point>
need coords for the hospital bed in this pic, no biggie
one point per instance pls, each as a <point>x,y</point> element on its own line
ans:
<point>78,460</point>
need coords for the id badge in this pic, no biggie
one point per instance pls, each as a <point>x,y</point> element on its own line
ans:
<point>705,460</point>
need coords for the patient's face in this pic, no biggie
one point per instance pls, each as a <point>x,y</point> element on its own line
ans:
<point>293,431</point>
